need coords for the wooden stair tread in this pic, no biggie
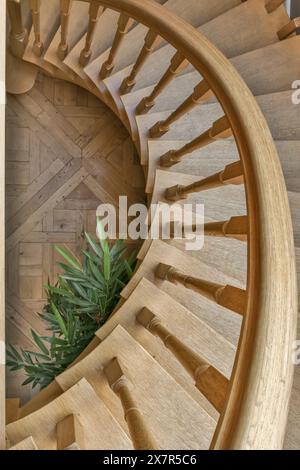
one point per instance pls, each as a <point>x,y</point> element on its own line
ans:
<point>78,22</point>
<point>50,20</point>
<point>225,323</point>
<point>200,337</point>
<point>82,401</point>
<point>162,406</point>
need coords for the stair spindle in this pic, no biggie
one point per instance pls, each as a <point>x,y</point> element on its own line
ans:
<point>95,11</point>
<point>178,63</point>
<point>232,174</point>
<point>236,227</point>
<point>35,6</point>
<point>18,35</point>
<point>209,381</point>
<point>202,93</point>
<point>124,24</point>
<point>65,10</point>
<point>227,296</point>
<point>70,434</point>
<point>152,39</point>
<point>140,435</point>
<point>289,29</point>
<point>220,130</point>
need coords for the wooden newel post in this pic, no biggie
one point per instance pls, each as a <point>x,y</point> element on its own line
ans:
<point>140,435</point>
<point>18,36</point>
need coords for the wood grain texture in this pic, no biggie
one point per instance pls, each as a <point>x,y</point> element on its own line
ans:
<point>66,153</point>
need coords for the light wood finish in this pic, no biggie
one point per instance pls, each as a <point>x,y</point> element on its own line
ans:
<point>210,382</point>
<point>220,130</point>
<point>229,297</point>
<point>152,39</point>
<point>289,29</point>
<point>70,434</point>
<point>16,69</point>
<point>18,36</point>
<point>65,153</point>
<point>178,63</point>
<point>139,433</point>
<point>272,5</point>
<point>201,93</point>
<point>82,402</point>
<point>203,339</point>
<point>232,174</point>
<point>160,413</point>
<point>95,11</point>
<point>65,10</point>
<point>45,396</point>
<point>236,227</point>
<point>26,444</point>
<point>38,47</point>
<point>12,409</point>
<point>124,24</point>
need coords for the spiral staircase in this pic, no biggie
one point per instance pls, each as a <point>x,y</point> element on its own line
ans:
<point>198,353</point>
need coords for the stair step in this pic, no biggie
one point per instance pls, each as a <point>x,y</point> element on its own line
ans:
<point>200,337</point>
<point>82,401</point>
<point>213,158</point>
<point>78,21</point>
<point>245,28</point>
<point>225,322</point>
<point>50,21</point>
<point>161,400</point>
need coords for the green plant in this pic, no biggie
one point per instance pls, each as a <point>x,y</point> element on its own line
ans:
<point>77,306</point>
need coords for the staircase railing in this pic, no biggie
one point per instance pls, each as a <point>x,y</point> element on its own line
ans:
<point>256,404</point>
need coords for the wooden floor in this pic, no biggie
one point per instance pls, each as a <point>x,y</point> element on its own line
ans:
<point>66,152</point>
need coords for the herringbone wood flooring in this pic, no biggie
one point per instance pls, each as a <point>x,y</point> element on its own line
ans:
<point>66,152</point>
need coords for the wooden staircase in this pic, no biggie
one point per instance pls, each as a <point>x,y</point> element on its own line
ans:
<point>198,353</point>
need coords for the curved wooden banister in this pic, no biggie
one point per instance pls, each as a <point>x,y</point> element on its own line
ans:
<point>263,369</point>
<point>256,406</point>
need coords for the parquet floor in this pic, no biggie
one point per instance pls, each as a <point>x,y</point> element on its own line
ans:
<point>66,153</point>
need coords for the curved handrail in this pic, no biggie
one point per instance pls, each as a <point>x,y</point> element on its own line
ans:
<point>257,404</point>
<point>256,409</point>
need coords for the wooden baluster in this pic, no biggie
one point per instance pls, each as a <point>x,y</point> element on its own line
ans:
<point>140,435</point>
<point>236,227</point>
<point>35,6</point>
<point>220,130</point>
<point>229,297</point>
<point>201,93</point>
<point>70,434</point>
<point>178,63</point>
<point>152,39</point>
<point>18,35</point>
<point>209,381</point>
<point>65,9</point>
<point>95,11</point>
<point>124,24</point>
<point>232,174</point>
<point>289,28</point>
<point>272,5</point>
